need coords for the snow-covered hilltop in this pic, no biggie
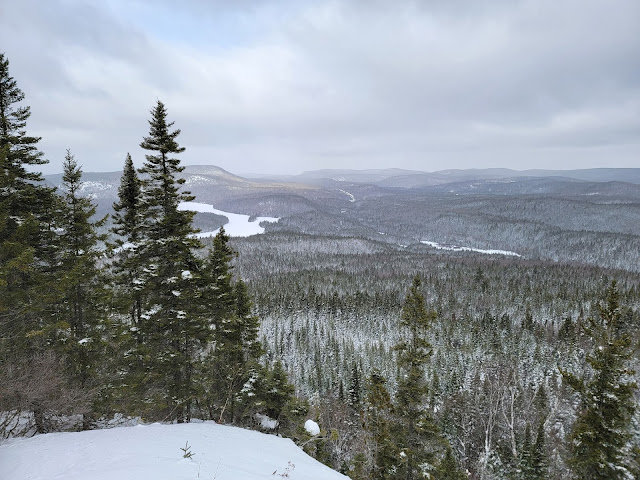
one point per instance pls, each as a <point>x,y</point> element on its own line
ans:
<point>156,452</point>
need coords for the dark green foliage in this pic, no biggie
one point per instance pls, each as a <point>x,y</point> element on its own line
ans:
<point>29,212</point>
<point>602,428</point>
<point>379,422</point>
<point>539,456</point>
<point>82,287</point>
<point>23,150</point>
<point>416,436</point>
<point>280,403</point>
<point>27,220</point>
<point>448,468</point>
<point>171,323</point>
<point>127,264</point>
<point>235,349</point>
<point>127,210</point>
<point>533,461</point>
<point>355,389</point>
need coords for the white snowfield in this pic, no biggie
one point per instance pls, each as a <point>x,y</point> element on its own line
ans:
<point>454,248</point>
<point>238,226</point>
<point>154,452</point>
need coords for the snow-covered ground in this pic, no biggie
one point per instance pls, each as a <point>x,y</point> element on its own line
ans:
<point>155,452</point>
<point>238,226</point>
<point>454,248</point>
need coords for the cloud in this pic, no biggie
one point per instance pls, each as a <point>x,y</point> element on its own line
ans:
<point>289,86</point>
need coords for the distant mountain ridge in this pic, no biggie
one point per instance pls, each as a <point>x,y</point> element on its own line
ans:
<point>396,177</point>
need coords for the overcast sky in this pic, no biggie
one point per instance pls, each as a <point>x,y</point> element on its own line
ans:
<point>288,86</point>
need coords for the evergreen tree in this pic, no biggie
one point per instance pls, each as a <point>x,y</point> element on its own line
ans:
<point>27,225</point>
<point>233,359</point>
<point>379,420</point>
<point>417,437</point>
<point>251,346</point>
<point>279,401</point>
<point>28,215</point>
<point>448,468</point>
<point>127,210</point>
<point>601,431</point>
<point>354,389</point>
<point>172,326</point>
<point>539,462</point>
<point>82,305</point>
<point>22,151</point>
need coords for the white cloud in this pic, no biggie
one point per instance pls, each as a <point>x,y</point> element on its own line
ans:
<point>256,86</point>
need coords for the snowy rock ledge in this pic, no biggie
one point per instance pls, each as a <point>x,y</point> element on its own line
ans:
<point>154,451</point>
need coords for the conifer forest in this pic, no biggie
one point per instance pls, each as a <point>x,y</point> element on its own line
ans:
<point>417,361</point>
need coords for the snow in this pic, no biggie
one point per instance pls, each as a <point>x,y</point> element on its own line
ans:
<point>455,248</point>
<point>312,427</point>
<point>267,422</point>
<point>154,451</point>
<point>352,199</point>
<point>238,226</point>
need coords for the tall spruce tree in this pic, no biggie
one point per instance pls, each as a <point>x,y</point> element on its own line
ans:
<point>235,351</point>
<point>127,210</point>
<point>28,215</point>
<point>598,440</point>
<point>379,411</point>
<point>417,436</point>
<point>27,224</point>
<point>83,294</point>
<point>539,460</point>
<point>127,267</point>
<point>172,326</point>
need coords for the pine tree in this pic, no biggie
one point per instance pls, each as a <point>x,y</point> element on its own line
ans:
<point>601,431</point>
<point>82,305</point>
<point>418,437</point>
<point>172,326</point>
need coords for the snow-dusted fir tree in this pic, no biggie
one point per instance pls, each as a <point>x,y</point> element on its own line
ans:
<point>127,210</point>
<point>27,215</point>
<point>599,438</point>
<point>419,440</point>
<point>127,221</point>
<point>83,295</point>
<point>173,329</point>
<point>379,410</point>
<point>235,350</point>
<point>31,375</point>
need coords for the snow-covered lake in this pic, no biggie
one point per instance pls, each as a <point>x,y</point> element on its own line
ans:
<point>454,248</point>
<point>238,226</point>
